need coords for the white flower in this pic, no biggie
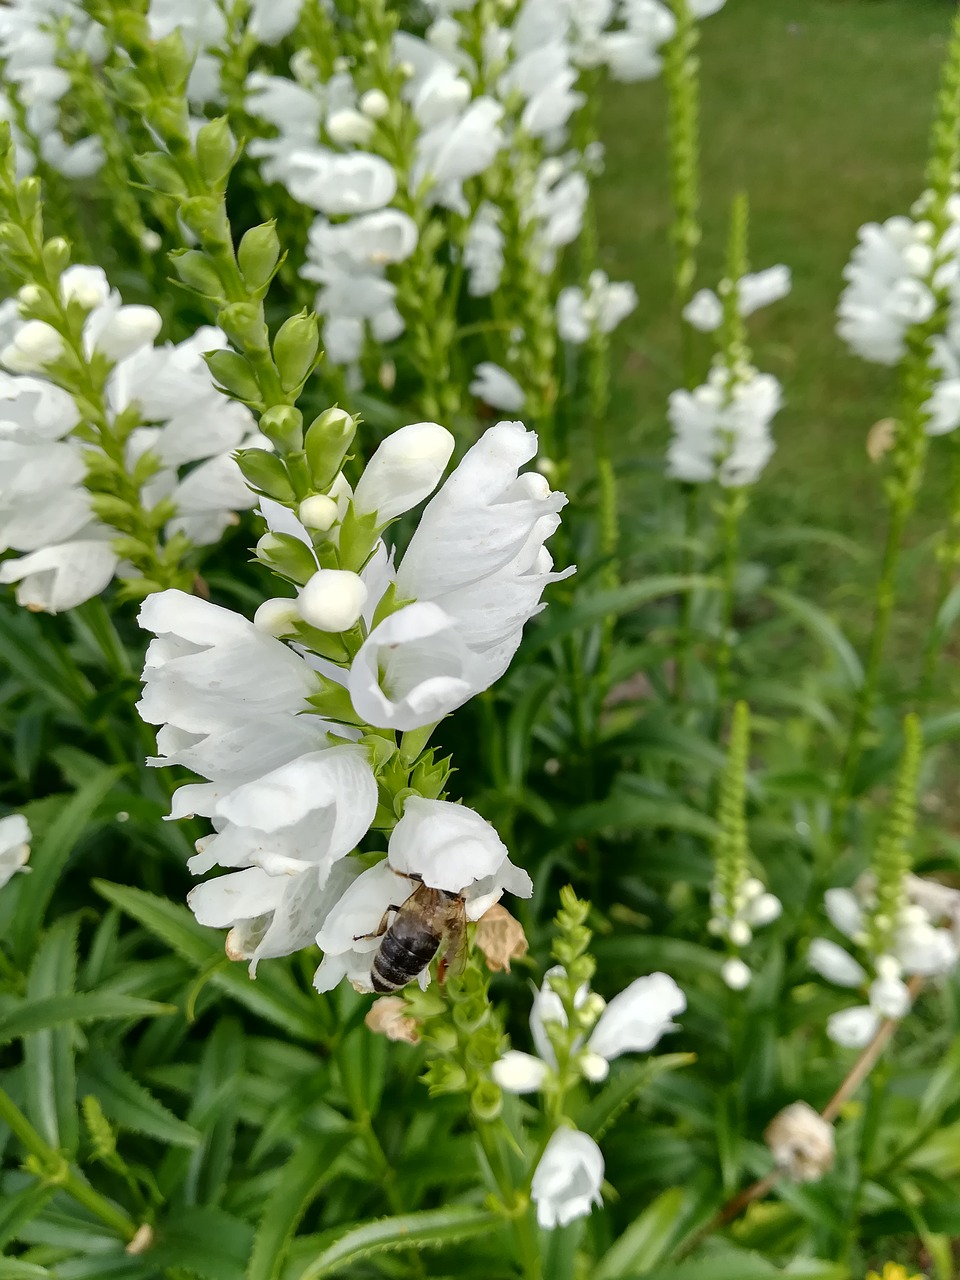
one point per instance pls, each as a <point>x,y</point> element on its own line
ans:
<point>332,599</point>
<point>460,147</point>
<point>517,1072</point>
<point>761,288</point>
<point>60,577</point>
<point>271,20</point>
<point>801,1142</point>
<point>483,251</point>
<point>721,433</point>
<point>833,963</point>
<point>567,1181</point>
<point>340,184</point>
<point>704,311</point>
<point>844,912</point>
<point>368,240</point>
<point>14,846</point>
<point>349,127</point>
<point>890,997</point>
<point>497,388</point>
<point>86,286</point>
<point>404,470</point>
<point>853,1028</point>
<point>35,345</point>
<point>601,309</point>
<point>116,331</point>
<point>635,1020</point>
<point>921,947</point>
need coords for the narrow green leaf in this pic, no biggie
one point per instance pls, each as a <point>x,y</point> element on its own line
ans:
<point>304,1176</point>
<point>128,1104</point>
<point>18,1208</point>
<point>207,1242</point>
<point>50,1076</point>
<point>14,1269</point>
<point>48,858</point>
<point>717,1263</point>
<point>23,1017</point>
<point>589,610</point>
<point>431,1228</point>
<point>626,1085</point>
<point>626,812</point>
<point>646,1240</point>
<point>823,628</point>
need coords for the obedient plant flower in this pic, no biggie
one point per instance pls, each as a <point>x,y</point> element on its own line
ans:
<point>14,846</point>
<point>497,388</point>
<point>753,291</point>
<point>567,1181</point>
<point>598,310</point>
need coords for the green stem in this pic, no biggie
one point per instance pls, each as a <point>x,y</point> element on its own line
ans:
<point>56,1171</point>
<point>516,1204</point>
<point>733,505</point>
<point>948,556</point>
<point>691,530</point>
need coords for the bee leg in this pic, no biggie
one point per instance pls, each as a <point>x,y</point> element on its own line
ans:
<point>380,930</point>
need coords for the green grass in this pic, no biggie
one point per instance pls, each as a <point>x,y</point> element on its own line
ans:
<point>820,110</point>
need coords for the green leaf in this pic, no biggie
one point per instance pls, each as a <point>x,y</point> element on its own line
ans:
<point>23,1017</point>
<point>21,1207</point>
<point>206,1242</point>
<point>274,996</point>
<point>823,628</point>
<point>589,610</point>
<point>130,1106</point>
<point>721,1262</point>
<point>626,1084</point>
<point>646,1240</point>
<point>303,1177</point>
<point>14,1269</point>
<point>49,855</point>
<point>50,1078</point>
<point>625,812</point>
<point>431,1228</point>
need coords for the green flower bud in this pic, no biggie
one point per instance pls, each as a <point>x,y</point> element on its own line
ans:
<point>111,510</point>
<point>486,1101</point>
<point>258,255</point>
<point>295,349</point>
<point>206,217</point>
<point>170,56</point>
<point>445,1077</point>
<point>266,473</point>
<point>326,443</point>
<point>197,271</point>
<point>216,148</point>
<point>358,536</point>
<point>56,255</point>
<point>244,325</point>
<point>288,556</point>
<point>234,375</point>
<point>29,192</point>
<point>283,425</point>
<point>158,171</point>
<point>14,240</point>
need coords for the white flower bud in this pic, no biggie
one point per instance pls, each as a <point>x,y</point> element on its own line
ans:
<point>890,997</point>
<point>278,617</point>
<point>736,974</point>
<point>594,1067</point>
<point>833,963</point>
<point>704,311</point>
<point>853,1028</point>
<point>404,470</point>
<point>34,346</point>
<point>801,1142</point>
<point>29,295</point>
<point>86,285</point>
<point>740,933</point>
<point>318,512</point>
<point>150,241</point>
<point>520,1072</point>
<point>375,104</point>
<point>348,127</point>
<point>763,910</point>
<point>332,600</point>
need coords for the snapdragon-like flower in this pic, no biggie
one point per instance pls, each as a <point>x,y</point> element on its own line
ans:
<point>46,510</point>
<point>567,1181</point>
<point>14,846</point>
<point>497,388</point>
<point>475,570</point>
<point>753,291</point>
<point>721,429</point>
<point>598,310</point>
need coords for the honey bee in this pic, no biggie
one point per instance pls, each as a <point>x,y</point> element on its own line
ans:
<point>428,920</point>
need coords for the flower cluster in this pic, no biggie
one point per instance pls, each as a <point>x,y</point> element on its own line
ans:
<point>598,309</point>
<point>158,417</point>
<point>721,429</point>
<point>292,718</point>
<point>914,944</point>
<point>14,846</point>
<point>566,1183</point>
<point>903,283</point>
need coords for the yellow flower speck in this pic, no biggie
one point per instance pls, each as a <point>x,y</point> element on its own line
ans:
<point>893,1271</point>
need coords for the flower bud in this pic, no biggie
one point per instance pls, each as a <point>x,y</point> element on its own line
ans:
<point>287,556</point>
<point>283,425</point>
<point>500,938</point>
<point>266,473</point>
<point>197,272</point>
<point>29,193</point>
<point>258,255</point>
<point>295,349</point>
<point>216,148</point>
<point>14,239</point>
<point>801,1142</point>
<point>404,470</point>
<point>56,256</point>
<point>349,128</point>
<point>333,600</point>
<point>390,1016</point>
<point>159,171</point>
<point>234,375</point>
<point>736,974</point>
<point>172,61</point>
<point>375,104</point>
<point>244,325</point>
<point>326,443</point>
<point>594,1067</point>
<point>128,329</point>
<point>319,512</point>
<point>486,1101</point>
<point>31,295</point>
<point>86,286</point>
<point>277,617</point>
<point>519,1072</point>
<point>206,217</point>
<point>35,345</point>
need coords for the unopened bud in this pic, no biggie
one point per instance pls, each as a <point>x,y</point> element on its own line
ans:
<point>375,104</point>
<point>326,443</point>
<point>278,617</point>
<point>295,349</point>
<point>333,600</point>
<point>34,346</point>
<point>347,127</point>
<point>283,424</point>
<point>266,473</point>
<point>244,325</point>
<point>86,286</point>
<point>801,1142</point>
<point>56,256</point>
<point>500,938</point>
<point>258,255</point>
<point>287,556</point>
<point>216,148</point>
<point>319,512</point>
<point>159,171</point>
<point>486,1101</point>
<point>736,974</point>
<point>390,1016</point>
<point>197,272</point>
<point>234,374</point>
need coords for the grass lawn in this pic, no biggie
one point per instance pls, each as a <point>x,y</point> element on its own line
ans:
<point>820,110</point>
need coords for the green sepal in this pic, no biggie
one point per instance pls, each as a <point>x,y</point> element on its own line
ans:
<point>333,702</point>
<point>358,536</point>
<point>287,556</point>
<point>382,751</point>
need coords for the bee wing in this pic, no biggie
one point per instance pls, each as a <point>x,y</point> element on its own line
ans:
<point>455,951</point>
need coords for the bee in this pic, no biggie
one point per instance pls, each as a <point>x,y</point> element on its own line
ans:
<point>428,920</point>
